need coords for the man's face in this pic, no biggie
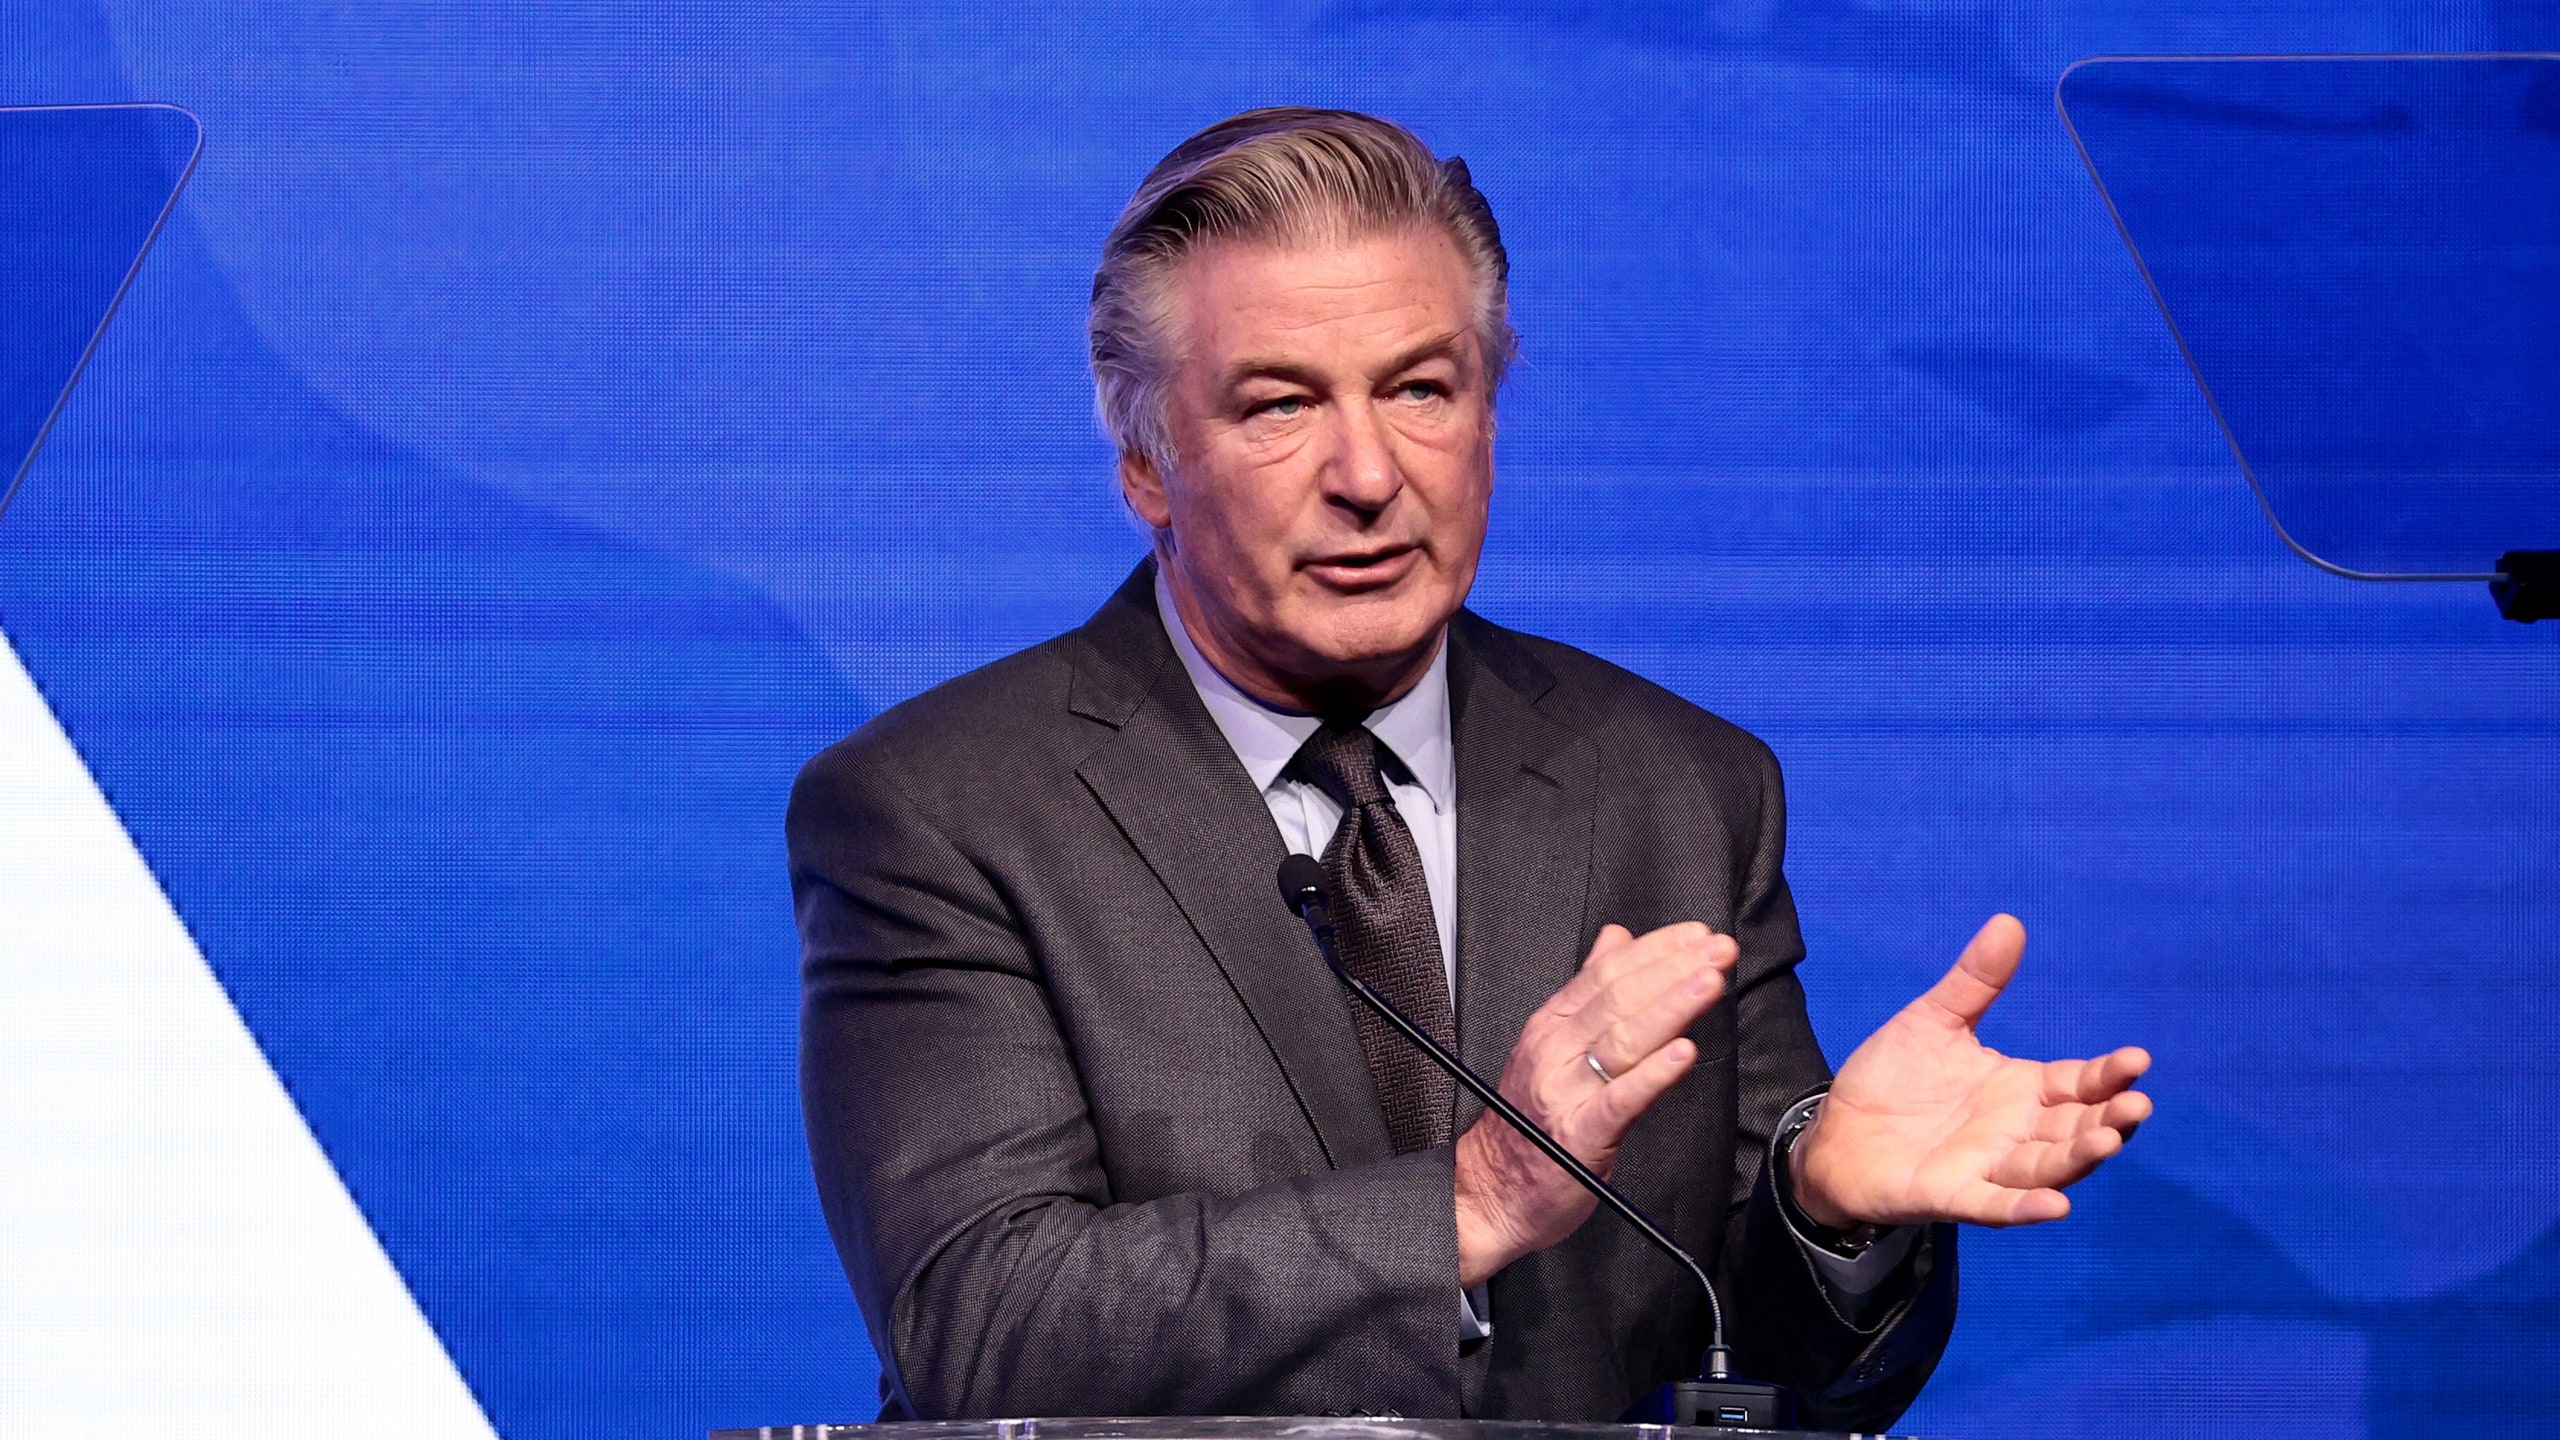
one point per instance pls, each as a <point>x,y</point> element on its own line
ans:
<point>1332,415</point>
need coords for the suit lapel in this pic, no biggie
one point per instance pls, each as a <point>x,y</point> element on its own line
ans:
<point>1526,785</point>
<point>1175,788</point>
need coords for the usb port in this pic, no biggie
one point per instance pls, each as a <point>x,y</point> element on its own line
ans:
<point>1732,1415</point>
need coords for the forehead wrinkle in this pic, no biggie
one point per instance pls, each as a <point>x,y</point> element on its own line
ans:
<point>1165,279</point>
<point>1377,305</point>
<point>1448,344</point>
<point>1333,305</point>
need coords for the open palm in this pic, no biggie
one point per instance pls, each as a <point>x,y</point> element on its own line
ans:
<point>1925,1122</point>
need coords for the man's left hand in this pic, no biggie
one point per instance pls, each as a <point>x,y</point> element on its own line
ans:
<point>1926,1123</point>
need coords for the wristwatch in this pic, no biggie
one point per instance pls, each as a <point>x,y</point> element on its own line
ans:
<point>1848,1244</point>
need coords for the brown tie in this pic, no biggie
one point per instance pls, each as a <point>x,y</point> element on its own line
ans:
<point>1382,922</point>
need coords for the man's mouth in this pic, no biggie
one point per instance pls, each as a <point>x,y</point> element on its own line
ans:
<point>1365,569</point>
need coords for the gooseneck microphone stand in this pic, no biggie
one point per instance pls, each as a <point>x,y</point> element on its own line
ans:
<point>1717,1397</point>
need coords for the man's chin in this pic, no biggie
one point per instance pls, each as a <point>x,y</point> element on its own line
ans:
<point>1371,644</point>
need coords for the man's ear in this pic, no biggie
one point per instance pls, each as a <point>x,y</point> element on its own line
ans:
<point>1142,485</point>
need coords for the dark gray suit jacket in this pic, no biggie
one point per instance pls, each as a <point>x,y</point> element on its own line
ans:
<point>1090,1119</point>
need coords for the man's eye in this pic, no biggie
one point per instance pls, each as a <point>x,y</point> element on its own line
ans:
<point>1419,390</point>
<point>1285,406</point>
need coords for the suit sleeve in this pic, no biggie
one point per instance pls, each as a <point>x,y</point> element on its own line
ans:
<point>1784,1324</point>
<point>960,1174</point>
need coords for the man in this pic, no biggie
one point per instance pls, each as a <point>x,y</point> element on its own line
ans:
<point>1096,1130</point>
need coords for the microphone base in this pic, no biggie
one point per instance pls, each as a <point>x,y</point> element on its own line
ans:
<point>1726,1404</point>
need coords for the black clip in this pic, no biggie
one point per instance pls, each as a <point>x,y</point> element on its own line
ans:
<point>2528,585</point>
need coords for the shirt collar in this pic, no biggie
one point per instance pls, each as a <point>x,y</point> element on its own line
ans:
<point>1415,726</point>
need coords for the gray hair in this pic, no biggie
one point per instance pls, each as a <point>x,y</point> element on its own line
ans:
<point>1281,175</point>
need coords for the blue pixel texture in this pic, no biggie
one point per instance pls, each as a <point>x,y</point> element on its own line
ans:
<point>541,427</point>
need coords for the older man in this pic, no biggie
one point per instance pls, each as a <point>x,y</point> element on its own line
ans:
<point>1096,1130</point>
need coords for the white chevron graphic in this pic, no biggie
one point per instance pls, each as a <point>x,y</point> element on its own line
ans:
<point>176,1254</point>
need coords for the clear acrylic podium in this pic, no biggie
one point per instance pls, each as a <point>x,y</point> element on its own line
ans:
<point>2359,258</point>
<point>83,189</point>
<point>1301,1427</point>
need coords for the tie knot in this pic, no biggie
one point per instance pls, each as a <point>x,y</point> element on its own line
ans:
<point>1342,761</point>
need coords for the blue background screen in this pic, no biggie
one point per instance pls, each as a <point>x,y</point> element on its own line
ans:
<point>541,427</point>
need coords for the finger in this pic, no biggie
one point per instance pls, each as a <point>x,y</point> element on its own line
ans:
<point>1677,944</point>
<point>2058,1164</point>
<point>2125,1113</point>
<point>1672,944</point>
<point>1981,972</point>
<point>2122,1114</point>
<point>1560,1033</point>
<point>1666,1015</point>
<point>1611,939</point>
<point>1980,1202</point>
<point>1593,972</point>
<point>1641,1011</point>
<point>2056,1124</point>
<point>1603,1120</point>
<point>2092,1081</point>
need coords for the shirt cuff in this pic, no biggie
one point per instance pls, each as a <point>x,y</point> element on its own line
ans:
<point>1475,1314</point>
<point>1850,1281</point>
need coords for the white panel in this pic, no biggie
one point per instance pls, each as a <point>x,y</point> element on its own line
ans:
<point>176,1254</point>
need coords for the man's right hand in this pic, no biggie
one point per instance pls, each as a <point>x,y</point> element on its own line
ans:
<point>1629,1009</point>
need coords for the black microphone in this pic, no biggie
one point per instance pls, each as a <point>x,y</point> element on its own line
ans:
<point>1717,1398</point>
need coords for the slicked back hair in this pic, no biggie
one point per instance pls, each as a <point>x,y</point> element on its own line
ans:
<point>1279,176</point>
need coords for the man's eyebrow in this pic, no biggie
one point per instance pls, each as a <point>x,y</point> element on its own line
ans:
<point>1293,373</point>
<point>1447,345</point>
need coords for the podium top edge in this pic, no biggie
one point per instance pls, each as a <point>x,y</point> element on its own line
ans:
<point>1238,1427</point>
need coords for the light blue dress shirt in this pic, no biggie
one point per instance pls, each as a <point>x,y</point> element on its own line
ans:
<point>1416,728</point>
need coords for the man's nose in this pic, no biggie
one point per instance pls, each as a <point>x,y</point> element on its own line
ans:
<point>1363,472</point>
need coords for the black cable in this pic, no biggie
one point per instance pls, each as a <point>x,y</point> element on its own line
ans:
<point>1302,886</point>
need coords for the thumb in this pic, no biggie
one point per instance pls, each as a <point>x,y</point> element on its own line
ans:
<point>1981,972</point>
